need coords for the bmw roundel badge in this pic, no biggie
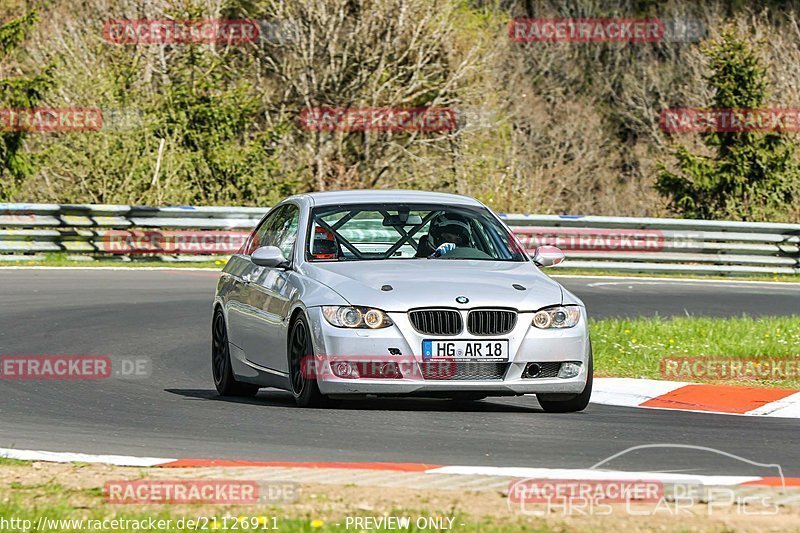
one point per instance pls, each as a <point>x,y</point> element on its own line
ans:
<point>462,299</point>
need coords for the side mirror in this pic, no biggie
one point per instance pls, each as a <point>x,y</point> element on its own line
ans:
<point>269,256</point>
<point>547,256</point>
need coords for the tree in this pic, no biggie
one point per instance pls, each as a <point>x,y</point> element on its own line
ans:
<point>387,54</point>
<point>17,92</point>
<point>750,175</point>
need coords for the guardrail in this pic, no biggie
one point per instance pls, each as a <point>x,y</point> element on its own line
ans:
<point>117,232</point>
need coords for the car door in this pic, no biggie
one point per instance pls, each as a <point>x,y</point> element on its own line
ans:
<point>268,295</point>
<point>241,300</point>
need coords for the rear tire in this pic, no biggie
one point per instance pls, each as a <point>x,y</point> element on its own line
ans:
<point>224,380</point>
<point>553,403</point>
<point>304,388</point>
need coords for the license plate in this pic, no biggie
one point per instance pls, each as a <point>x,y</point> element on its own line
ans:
<point>471,350</point>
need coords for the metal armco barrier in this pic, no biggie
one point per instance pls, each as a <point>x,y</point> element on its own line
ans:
<point>118,232</point>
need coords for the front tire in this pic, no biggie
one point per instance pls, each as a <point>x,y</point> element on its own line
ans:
<point>304,388</point>
<point>553,403</point>
<point>224,380</point>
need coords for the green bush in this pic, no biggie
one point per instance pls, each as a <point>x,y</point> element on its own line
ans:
<point>18,92</point>
<point>751,175</point>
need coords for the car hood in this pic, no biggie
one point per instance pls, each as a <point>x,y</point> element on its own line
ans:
<point>437,283</point>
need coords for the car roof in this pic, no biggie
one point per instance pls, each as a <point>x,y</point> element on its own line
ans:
<point>388,196</point>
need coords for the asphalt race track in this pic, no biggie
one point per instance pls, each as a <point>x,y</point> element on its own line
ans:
<point>165,316</point>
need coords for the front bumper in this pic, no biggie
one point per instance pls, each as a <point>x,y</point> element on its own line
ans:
<point>526,344</point>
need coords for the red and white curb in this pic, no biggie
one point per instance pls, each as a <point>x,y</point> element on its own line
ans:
<point>381,470</point>
<point>707,398</point>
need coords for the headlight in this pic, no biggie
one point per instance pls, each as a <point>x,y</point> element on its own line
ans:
<point>557,317</point>
<point>355,317</point>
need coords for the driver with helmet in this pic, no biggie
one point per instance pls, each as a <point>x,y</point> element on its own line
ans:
<point>447,231</point>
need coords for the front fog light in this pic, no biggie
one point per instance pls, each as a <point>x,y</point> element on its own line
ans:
<point>344,369</point>
<point>569,370</point>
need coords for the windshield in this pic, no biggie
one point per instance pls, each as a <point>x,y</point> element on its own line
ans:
<point>358,232</point>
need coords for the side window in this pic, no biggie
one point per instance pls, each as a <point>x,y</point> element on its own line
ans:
<point>261,235</point>
<point>286,231</point>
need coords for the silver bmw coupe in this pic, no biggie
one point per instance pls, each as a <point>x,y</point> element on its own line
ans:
<point>340,295</point>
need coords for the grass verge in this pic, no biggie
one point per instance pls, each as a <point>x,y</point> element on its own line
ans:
<point>61,497</point>
<point>51,506</point>
<point>635,347</point>
<point>5,461</point>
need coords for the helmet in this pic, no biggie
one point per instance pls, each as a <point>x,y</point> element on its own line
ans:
<point>453,224</point>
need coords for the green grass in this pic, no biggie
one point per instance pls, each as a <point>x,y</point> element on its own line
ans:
<point>5,461</point>
<point>634,348</point>
<point>55,502</point>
